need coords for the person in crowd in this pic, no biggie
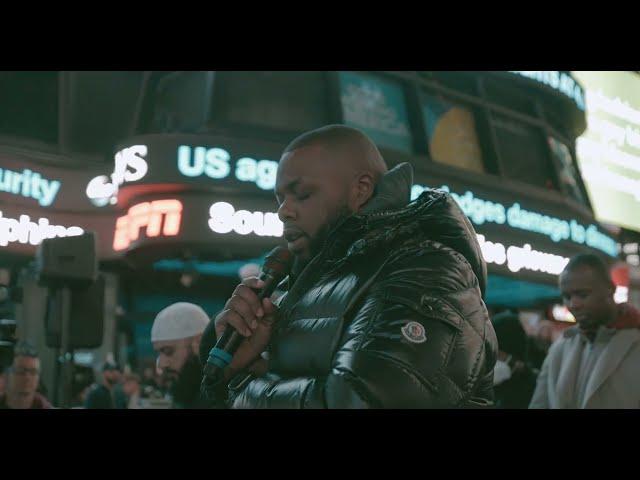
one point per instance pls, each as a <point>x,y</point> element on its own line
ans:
<point>514,377</point>
<point>150,386</point>
<point>176,334</point>
<point>149,378</point>
<point>23,378</point>
<point>83,379</point>
<point>132,389</point>
<point>383,307</point>
<point>594,364</point>
<point>104,395</point>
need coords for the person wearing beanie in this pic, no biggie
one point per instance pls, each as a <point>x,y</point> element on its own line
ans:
<point>176,335</point>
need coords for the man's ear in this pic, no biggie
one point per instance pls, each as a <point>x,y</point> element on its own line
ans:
<point>362,190</point>
<point>195,344</point>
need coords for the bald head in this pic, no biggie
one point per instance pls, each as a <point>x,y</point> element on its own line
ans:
<point>350,148</point>
<point>324,176</point>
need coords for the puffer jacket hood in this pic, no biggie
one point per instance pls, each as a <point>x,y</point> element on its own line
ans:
<point>390,219</point>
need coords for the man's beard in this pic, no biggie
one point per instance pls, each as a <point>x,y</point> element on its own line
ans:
<point>317,242</point>
<point>186,388</point>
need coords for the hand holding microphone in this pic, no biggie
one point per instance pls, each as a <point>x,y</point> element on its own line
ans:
<point>247,321</point>
<point>244,327</point>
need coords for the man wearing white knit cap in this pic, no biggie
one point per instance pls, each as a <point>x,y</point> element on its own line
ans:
<point>176,334</point>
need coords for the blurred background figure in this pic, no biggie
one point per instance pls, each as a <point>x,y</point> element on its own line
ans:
<point>23,378</point>
<point>595,363</point>
<point>542,332</point>
<point>150,385</point>
<point>514,375</point>
<point>106,395</point>
<point>83,379</point>
<point>176,335</point>
<point>132,390</point>
<point>149,378</point>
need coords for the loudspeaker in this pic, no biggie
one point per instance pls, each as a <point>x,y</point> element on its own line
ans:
<point>67,260</point>
<point>87,317</point>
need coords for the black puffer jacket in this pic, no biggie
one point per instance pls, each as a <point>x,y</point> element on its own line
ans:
<point>388,315</point>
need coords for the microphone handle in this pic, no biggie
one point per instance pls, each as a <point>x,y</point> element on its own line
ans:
<point>222,353</point>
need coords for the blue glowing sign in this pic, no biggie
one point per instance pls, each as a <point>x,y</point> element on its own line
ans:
<point>482,211</point>
<point>562,82</point>
<point>216,163</point>
<point>29,184</point>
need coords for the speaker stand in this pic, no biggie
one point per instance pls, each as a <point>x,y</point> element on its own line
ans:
<point>65,359</point>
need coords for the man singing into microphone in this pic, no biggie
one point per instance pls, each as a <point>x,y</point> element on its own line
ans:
<point>383,307</point>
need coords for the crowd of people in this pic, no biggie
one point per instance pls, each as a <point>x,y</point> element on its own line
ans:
<point>593,363</point>
<point>590,364</point>
<point>21,386</point>
<point>383,309</point>
<point>173,383</point>
<point>124,390</point>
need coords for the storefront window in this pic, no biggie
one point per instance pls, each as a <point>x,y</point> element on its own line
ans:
<point>452,134</point>
<point>29,105</point>
<point>290,101</point>
<point>523,153</point>
<point>377,107</point>
<point>182,102</point>
<point>465,82</point>
<point>509,97</point>
<point>568,174</point>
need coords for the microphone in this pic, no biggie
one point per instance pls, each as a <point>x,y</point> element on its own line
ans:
<point>276,267</point>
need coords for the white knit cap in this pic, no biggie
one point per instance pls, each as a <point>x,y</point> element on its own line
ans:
<point>178,321</point>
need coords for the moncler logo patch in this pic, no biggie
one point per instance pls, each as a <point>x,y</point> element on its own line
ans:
<point>414,332</point>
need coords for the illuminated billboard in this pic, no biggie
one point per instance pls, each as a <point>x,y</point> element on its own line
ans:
<point>609,151</point>
<point>377,107</point>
